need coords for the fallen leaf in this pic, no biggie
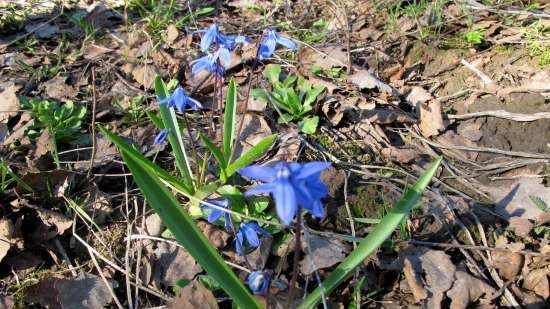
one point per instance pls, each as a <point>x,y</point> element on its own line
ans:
<point>24,263</point>
<point>400,154</point>
<point>216,236</point>
<point>171,34</point>
<point>105,153</point>
<point>153,225</point>
<point>57,88</point>
<point>257,258</point>
<point>365,80</point>
<point>451,139</point>
<point>507,263</point>
<point>7,302</point>
<point>289,145</point>
<point>8,59</point>
<point>44,144</point>
<point>521,226</point>
<point>537,281</point>
<point>193,296</point>
<point>431,118</point>
<point>99,206</point>
<point>6,235</point>
<point>41,30</point>
<point>325,252</point>
<point>9,103</point>
<point>85,292</point>
<point>145,75</point>
<point>53,223</point>
<point>514,199</point>
<point>45,182</point>
<point>468,289</point>
<point>93,51</point>
<point>324,58</point>
<point>173,263</point>
<point>439,273</point>
<point>255,128</point>
<point>471,130</point>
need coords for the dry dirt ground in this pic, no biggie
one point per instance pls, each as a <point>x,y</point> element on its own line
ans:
<point>406,82</point>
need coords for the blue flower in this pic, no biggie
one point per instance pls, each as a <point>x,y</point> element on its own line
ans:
<point>231,41</point>
<point>269,43</point>
<point>211,35</point>
<point>258,282</point>
<point>161,137</point>
<point>291,184</point>
<point>215,214</point>
<point>211,64</point>
<point>249,232</point>
<point>180,100</point>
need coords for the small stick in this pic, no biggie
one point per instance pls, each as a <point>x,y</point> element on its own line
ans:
<point>504,115</point>
<point>117,302</point>
<point>94,139</point>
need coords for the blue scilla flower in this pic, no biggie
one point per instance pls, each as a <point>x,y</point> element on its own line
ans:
<point>211,64</point>
<point>269,43</point>
<point>215,214</point>
<point>161,137</point>
<point>180,100</point>
<point>231,41</point>
<point>291,184</point>
<point>248,232</point>
<point>211,35</point>
<point>258,282</point>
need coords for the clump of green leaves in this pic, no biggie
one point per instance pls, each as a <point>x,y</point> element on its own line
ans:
<point>7,177</point>
<point>294,97</point>
<point>474,37</point>
<point>133,112</point>
<point>63,121</point>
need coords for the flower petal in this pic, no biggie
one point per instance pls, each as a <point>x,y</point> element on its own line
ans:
<point>209,37</point>
<point>224,56</point>
<point>194,104</point>
<point>260,189</point>
<point>161,137</point>
<point>267,48</point>
<point>214,215</point>
<point>285,201</point>
<point>250,235</point>
<point>286,42</point>
<point>259,172</point>
<point>312,168</point>
<point>239,240</point>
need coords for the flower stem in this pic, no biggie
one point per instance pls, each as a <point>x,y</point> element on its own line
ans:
<point>297,249</point>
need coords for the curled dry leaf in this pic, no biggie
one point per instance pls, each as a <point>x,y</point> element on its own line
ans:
<point>325,252</point>
<point>508,264</point>
<point>193,296</point>
<point>521,226</point>
<point>289,145</point>
<point>537,281</point>
<point>6,235</point>
<point>216,236</point>
<point>105,153</point>
<point>257,258</point>
<point>324,58</point>
<point>366,80</point>
<point>153,225</point>
<point>171,34</point>
<point>9,103</point>
<point>173,263</point>
<point>53,223</point>
<point>255,128</point>
<point>57,88</point>
<point>431,118</point>
<point>145,75</point>
<point>85,292</point>
<point>400,154</point>
<point>468,289</point>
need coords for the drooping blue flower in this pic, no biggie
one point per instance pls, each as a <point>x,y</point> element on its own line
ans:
<point>230,41</point>
<point>215,214</point>
<point>291,185</point>
<point>161,137</point>
<point>269,43</point>
<point>213,63</point>
<point>180,100</point>
<point>248,232</point>
<point>258,282</point>
<point>211,35</point>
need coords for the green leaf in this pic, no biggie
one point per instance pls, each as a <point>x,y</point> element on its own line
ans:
<point>289,80</point>
<point>272,72</point>
<point>312,95</point>
<point>234,195</point>
<point>122,145</point>
<point>252,155</point>
<point>261,94</point>
<point>156,120</point>
<point>187,233</point>
<point>293,101</point>
<point>229,122</point>
<point>308,125</point>
<point>218,155</point>
<point>175,137</point>
<point>374,239</point>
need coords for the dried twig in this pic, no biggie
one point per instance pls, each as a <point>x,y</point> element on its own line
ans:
<point>503,115</point>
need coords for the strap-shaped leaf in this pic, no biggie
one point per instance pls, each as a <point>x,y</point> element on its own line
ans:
<point>218,155</point>
<point>229,123</point>
<point>187,233</point>
<point>367,246</point>
<point>252,155</point>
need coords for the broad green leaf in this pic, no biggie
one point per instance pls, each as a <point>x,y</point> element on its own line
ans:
<point>308,125</point>
<point>218,155</point>
<point>261,94</point>
<point>312,95</point>
<point>304,85</point>
<point>187,233</point>
<point>131,151</point>
<point>293,101</point>
<point>289,81</point>
<point>374,239</point>
<point>272,72</point>
<point>234,195</point>
<point>252,155</point>
<point>229,122</point>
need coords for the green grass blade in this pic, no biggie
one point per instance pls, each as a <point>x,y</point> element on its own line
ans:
<point>156,120</point>
<point>123,146</point>
<point>187,233</point>
<point>218,155</point>
<point>252,155</point>
<point>381,232</point>
<point>175,138</point>
<point>229,123</point>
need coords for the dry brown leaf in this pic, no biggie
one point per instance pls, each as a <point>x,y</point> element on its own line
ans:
<point>537,281</point>
<point>145,75</point>
<point>521,226</point>
<point>508,264</point>
<point>513,199</point>
<point>6,236</point>
<point>86,292</point>
<point>451,139</point>
<point>399,154</point>
<point>105,153</point>
<point>471,130</point>
<point>431,118</point>
<point>171,34</point>
<point>57,88</point>
<point>173,263</point>
<point>216,236</point>
<point>325,58</point>
<point>44,144</point>
<point>9,103</point>
<point>193,296</point>
<point>54,223</point>
<point>289,145</point>
<point>153,225</point>
<point>365,80</point>
<point>439,273</point>
<point>325,252</point>
<point>418,96</point>
<point>255,128</point>
<point>468,289</point>
<point>7,302</point>
<point>92,51</point>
